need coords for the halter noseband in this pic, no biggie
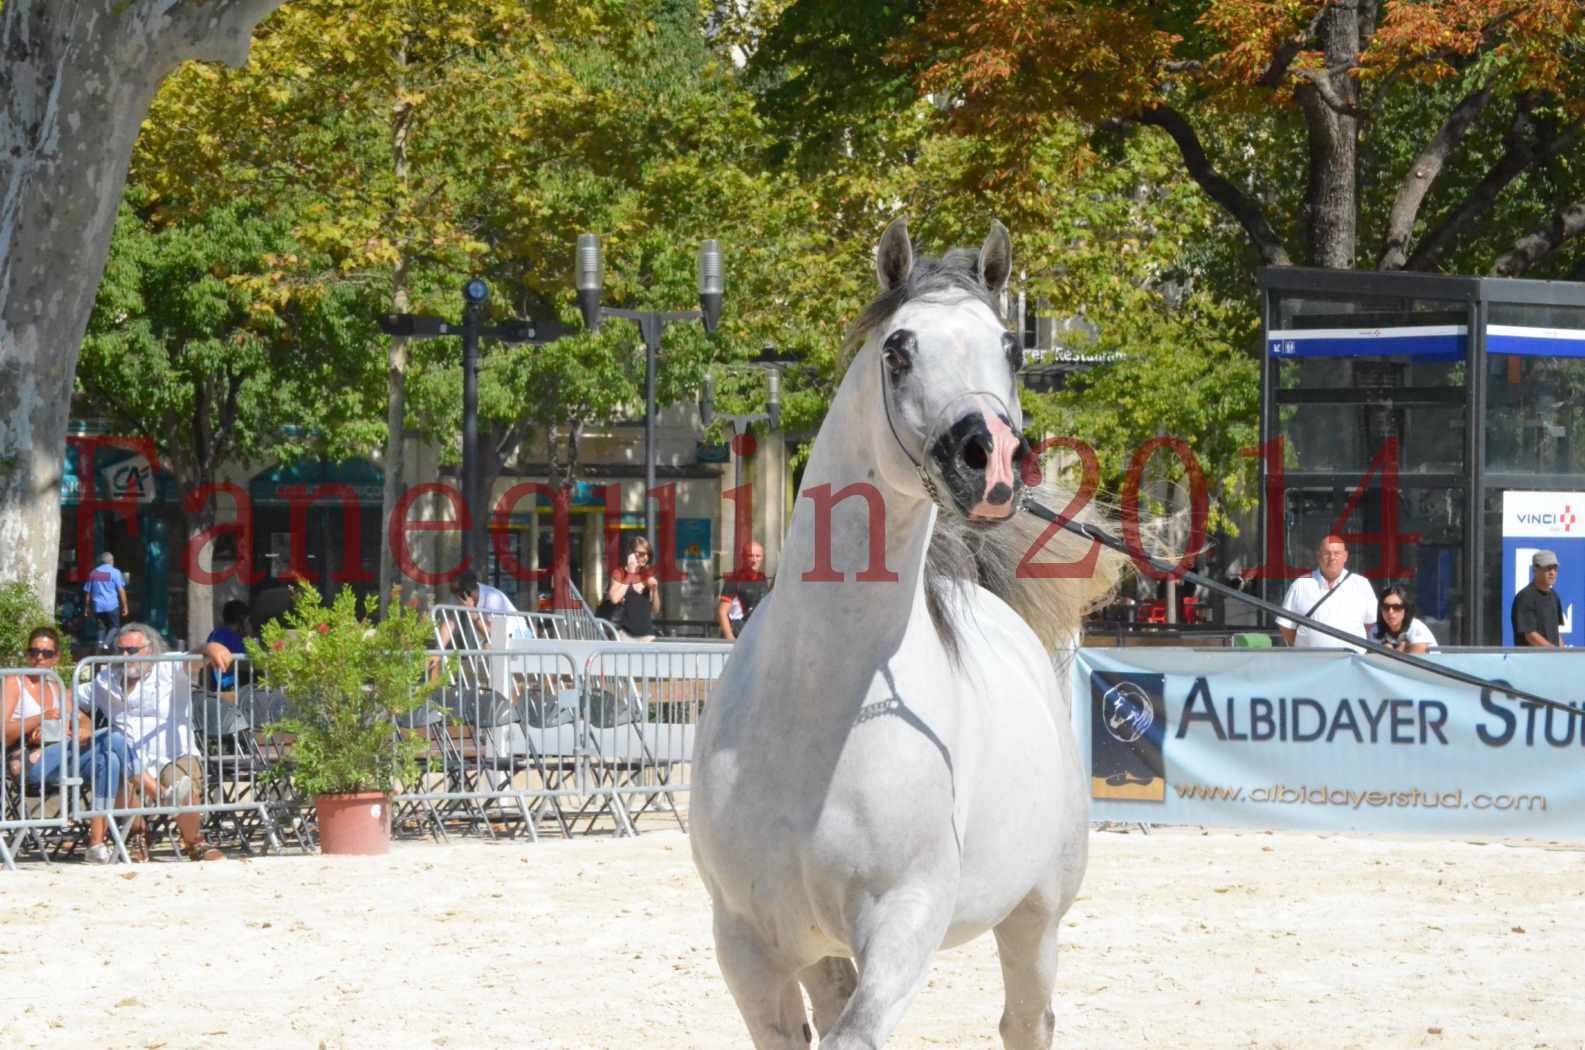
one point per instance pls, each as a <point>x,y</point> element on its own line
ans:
<point>925,479</point>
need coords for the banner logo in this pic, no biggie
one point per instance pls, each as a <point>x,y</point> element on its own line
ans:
<point>1128,723</point>
<point>1127,712</point>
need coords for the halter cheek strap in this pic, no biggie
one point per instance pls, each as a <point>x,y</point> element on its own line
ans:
<point>919,468</point>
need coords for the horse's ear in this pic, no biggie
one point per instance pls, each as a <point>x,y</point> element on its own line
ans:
<point>996,258</point>
<point>894,256</point>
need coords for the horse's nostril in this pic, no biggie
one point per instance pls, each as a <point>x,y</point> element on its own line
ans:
<point>975,456</point>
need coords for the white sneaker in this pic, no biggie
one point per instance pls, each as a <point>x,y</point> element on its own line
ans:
<point>99,854</point>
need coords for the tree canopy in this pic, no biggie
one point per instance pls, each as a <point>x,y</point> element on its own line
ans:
<point>1337,132</point>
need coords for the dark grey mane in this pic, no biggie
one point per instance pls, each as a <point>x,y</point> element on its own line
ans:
<point>954,562</point>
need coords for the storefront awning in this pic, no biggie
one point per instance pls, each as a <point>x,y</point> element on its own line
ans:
<point>366,480</point>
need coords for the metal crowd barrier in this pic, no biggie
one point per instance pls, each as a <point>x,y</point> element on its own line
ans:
<point>573,627</point>
<point>570,732</point>
<point>503,748</point>
<point>37,784</point>
<point>640,706</point>
<point>539,735</point>
<point>472,635</point>
<point>190,752</point>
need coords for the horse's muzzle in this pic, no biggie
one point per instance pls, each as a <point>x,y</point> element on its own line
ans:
<point>979,456</point>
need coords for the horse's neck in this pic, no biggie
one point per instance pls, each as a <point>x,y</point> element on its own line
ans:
<point>844,536</point>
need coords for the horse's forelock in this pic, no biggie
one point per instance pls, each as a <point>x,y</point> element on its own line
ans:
<point>957,271</point>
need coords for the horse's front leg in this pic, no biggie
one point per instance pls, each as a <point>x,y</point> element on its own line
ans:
<point>893,940</point>
<point>764,985</point>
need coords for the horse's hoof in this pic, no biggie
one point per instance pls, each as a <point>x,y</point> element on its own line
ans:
<point>809,1035</point>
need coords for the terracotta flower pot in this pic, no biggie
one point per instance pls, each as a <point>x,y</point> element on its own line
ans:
<point>354,825</point>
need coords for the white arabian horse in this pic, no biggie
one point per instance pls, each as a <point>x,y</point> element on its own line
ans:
<point>887,765</point>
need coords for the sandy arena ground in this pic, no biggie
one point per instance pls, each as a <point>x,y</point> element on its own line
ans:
<point>1180,939</point>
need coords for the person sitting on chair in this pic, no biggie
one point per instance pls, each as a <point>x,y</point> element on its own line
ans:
<point>35,725</point>
<point>147,702</point>
<point>224,644</point>
<point>488,605</point>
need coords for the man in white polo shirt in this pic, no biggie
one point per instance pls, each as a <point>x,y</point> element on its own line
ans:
<point>1332,595</point>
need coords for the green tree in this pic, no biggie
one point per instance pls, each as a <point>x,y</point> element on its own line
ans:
<point>184,350</point>
<point>417,143</point>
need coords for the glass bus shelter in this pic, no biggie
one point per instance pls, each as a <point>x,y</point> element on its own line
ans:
<point>1397,409</point>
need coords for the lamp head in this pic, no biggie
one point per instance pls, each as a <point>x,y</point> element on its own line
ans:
<point>588,278</point>
<point>773,397</point>
<point>711,284</point>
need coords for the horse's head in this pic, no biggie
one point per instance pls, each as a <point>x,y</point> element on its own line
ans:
<point>948,372</point>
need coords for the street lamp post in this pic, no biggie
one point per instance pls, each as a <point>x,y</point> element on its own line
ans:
<point>475,300</point>
<point>772,363</point>
<point>590,279</point>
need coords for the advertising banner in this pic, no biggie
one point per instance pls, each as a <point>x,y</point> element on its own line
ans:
<point>1533,521</point>
<point>1331,741</point>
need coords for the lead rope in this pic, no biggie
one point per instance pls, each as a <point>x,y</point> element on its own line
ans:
<point>1105,539</point>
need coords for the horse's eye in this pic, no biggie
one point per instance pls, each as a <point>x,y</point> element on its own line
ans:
<point>1013,347</point>
<point>898,351</point>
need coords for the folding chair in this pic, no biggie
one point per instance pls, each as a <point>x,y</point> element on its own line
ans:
<point>493,753</point>
<point>416,801</point>
<point>238,771</point>
<point>617,758</point>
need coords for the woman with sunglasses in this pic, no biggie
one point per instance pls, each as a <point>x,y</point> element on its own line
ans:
<point>1396,626</point>
<point>34,738</point>
<point>635,593</point>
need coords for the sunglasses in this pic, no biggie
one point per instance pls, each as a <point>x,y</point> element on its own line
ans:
<point>129,650</point>
<point>42,654</point>
<point>1398,606</point>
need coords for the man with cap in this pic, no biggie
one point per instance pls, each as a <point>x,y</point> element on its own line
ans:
<point>1537,610</point>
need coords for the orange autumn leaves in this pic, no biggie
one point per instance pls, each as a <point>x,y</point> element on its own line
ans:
<point>1007,66</point>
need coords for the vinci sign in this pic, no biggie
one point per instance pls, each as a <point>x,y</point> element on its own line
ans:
<point>1533,521</point>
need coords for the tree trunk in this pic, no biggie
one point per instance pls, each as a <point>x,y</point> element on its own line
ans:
<point>200,592</point>
<point>1329,99</point>
<point>75,85</point>
<point>395,374</point>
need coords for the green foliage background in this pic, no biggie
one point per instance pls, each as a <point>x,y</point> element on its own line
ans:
<point>20,613</point>
<point>376,153</point>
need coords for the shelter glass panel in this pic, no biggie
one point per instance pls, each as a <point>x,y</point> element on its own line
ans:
<point>1535,389</point>
<point>1353,373</point>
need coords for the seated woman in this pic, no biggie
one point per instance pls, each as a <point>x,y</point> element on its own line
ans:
<point>1396,626</point>
<point>33,705</point>
<point>142,700</point>
<point>223,646</point>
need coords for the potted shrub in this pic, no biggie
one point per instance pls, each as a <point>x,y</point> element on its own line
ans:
<point>348,683</point>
